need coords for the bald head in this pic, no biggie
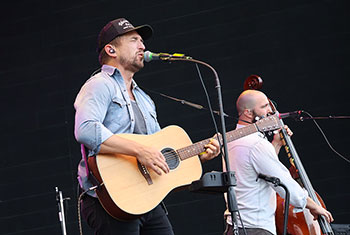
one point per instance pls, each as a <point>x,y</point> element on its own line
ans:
<point>249,100</point>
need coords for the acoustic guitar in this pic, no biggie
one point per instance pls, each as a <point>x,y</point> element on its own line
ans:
<point>128,189</point>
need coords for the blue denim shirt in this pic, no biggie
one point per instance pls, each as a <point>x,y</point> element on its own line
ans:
<point>103,108</point>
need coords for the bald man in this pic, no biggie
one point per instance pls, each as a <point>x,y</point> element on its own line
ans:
<point>252,155</point>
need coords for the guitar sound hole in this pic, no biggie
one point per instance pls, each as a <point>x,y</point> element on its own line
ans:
<point>171,158</point>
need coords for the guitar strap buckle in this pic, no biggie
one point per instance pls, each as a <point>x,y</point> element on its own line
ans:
<point>94,181</point>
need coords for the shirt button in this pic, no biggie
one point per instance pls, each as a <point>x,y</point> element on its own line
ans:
<point>132,120</point>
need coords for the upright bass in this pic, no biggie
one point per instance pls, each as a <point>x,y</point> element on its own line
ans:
<point>298,223</point>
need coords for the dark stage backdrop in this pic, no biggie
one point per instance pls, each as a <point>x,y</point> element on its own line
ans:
<point>300,48</point>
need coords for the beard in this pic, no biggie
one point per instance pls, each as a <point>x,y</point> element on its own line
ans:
<point>133,64</point>
<point>256,117</point>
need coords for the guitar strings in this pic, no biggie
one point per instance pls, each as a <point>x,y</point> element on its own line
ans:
<point>174,154</point>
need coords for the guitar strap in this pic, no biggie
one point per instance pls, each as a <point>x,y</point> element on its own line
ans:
<point>83,152</point>
<point>89,174</point>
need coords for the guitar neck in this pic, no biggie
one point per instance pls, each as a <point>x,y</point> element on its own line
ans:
<point>198,147</point>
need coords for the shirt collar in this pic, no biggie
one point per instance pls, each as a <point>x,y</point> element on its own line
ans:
<point>134,84</point>
<point>110,70</point>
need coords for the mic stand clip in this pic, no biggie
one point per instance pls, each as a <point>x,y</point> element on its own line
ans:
<point>214,182</point>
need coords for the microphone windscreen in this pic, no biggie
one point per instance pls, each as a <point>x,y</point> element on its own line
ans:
<point>147,56</point>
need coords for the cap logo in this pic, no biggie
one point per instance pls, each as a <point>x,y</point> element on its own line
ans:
<point>125,24</point>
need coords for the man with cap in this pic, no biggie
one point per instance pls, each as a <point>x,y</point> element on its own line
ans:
<point>110,103</point>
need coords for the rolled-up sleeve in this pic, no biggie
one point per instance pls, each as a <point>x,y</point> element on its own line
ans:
<point>266,162</point>
<point>91,106</point>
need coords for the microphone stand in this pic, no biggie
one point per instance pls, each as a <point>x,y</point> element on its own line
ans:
<point>61,211</point>
<point>277,182</point>
<point>322,118</point>
<point>231,196</point>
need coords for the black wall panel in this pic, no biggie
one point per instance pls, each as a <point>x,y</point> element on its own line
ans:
<point>299,48</point>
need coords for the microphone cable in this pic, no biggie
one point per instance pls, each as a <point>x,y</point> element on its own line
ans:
<point>96,71</point>
<point>209,104</point>
<point>79,205</point>
<point>325,137</point>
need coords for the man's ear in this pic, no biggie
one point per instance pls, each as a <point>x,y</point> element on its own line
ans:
<point>110,50</point>
<point>248,113</point>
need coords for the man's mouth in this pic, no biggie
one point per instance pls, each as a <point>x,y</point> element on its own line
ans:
<point>140,54</point>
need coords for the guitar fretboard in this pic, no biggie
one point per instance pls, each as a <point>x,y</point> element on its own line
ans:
<point>198,147</point>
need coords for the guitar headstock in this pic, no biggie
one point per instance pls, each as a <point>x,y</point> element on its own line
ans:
<point>269,123</point>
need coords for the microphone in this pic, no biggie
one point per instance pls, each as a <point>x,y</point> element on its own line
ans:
<point>294,114</point>
<point>149,56</point>
<point>271,179</point>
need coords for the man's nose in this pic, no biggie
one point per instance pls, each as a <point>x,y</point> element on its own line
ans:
<point>269,111</point>
<point>141,45</point>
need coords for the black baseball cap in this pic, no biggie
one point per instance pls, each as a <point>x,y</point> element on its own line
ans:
<point>119,27</point>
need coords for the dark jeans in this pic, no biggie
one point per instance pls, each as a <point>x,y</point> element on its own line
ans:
<point>250,231</point>
<point>155,222</point>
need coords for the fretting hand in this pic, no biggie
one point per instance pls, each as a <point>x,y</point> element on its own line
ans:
<point>212,150</point>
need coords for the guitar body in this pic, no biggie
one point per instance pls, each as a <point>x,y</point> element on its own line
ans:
<point>127,192</point>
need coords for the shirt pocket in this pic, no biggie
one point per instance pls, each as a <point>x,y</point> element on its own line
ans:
<point>119,101</point>
<point>119,108</point>
<point>117,116</point>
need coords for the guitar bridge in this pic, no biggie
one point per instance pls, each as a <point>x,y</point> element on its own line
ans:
<point>144,171</point>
